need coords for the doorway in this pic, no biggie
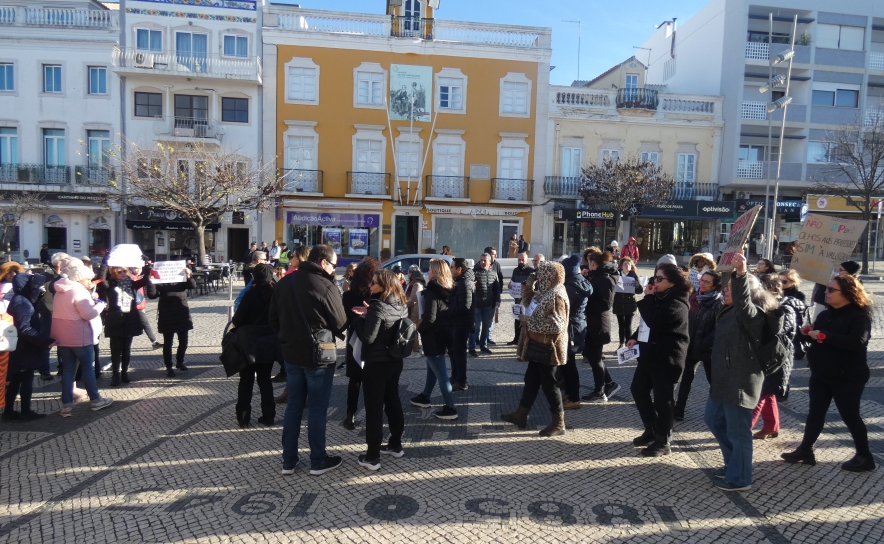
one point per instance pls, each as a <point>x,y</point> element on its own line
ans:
<point>559,238</point>
<point>407,232</point>
<point>237,243</point>
<point>507,230</point>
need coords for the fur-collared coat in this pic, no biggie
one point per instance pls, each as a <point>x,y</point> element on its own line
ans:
<point>550,317</point>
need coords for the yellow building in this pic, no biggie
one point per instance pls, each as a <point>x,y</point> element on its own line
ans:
<point>401,133</point>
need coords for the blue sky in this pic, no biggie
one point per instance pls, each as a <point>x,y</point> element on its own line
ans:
<point>610,29</point>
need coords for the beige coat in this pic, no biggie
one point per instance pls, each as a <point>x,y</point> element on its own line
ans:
<point>549,322</point>
<point>513,249</point>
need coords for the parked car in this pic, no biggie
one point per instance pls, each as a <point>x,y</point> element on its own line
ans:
<point>422,260</point>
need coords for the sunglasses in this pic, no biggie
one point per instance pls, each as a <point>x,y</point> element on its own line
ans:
<point>832,290</point>
<point>659,278</point>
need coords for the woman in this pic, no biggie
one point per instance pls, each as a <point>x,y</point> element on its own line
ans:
<point>377,330</point>
<point>8,270</point>
<point>357,296</point>
<point>737,377</point>
<point>513,247</point>
<point>631,250</point>
<point>791,280</point>
<point>121,323</point>
<point>603,278</point>
<point>348,276</point>
<point>764,266</point>
<point>416,285</point>
<point>624,303</point>
<point>253,312</point>
<point>299,255</point>
<point>838,370</point>
<point>544,345</point>
<point>173,317</point>
<point>847,268</point>
<point>32,349</point>
<point>435,331</point>
<point>76,326</point>
<point>701,327</point>
<point>662,351</point>
<point>278,272</point>
<point>447,251</point>
<point>699,263</point>
<point>579,290</point>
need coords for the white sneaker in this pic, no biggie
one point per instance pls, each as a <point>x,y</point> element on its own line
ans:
<point>80,394</point>
<point>106,366</point>
<point>103,402</point>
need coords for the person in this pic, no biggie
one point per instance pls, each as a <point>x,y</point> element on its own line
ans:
<point>520,274</point>
<point>462,320</point>
<point>697,266</point>
<point>141,306</point>
<point>446,250</point>
<point>400,277</point>
<point>298,256</point>
<point>434,330</point>
<point>44,309</point>
<point>624,303</point>
<point>273,254</point>
<point>513,247</point>
<point>584,261</point>
<point>247,256</point>
<point>495,267</point>
<point>579,291</point>
<point>357,296</point>
<point>310,293</point>
<point>264,248</point>
<point>839,370</point>
<point>791,283</point>
<point>486,300</point>
<point>631,250</point>
<point>44,255</point>
<point>847,268</point>
<point>603,277</point>
<point>524,246</point>
<point>348,276</point>
<point>701,328</point>
<point>764,266</point>
<point>8,270</point>
<point>377,329</point>
<point>793,297</point>
<point>737,377</point>
<point>539,258</point>
<point>32,349</point>
<point>548,326</point>
<point>76,326</point>
<point>614,248</point>
<point>278,273</point>
<point>173,318</point>
<point>285,256</point>
<point>121,323</point>
<point>416,285</point>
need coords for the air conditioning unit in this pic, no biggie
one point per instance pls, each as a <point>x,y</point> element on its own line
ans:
<point>741,195</point>
<point>143,60</point>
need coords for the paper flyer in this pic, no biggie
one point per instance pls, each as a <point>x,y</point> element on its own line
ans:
<point>644,332</point>
<point>516,290</point>
<point>358,241</point>
<point>625,354</point>
<point>332,238</point>
<point>517,311</point>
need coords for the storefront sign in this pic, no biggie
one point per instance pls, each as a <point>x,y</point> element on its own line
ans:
<point>579,215</point>
<point>466,210</point>
<point>411,92</point>
<point>737,239</point>
<point>74,197</point>
<point>789,209</point>
<point>823,242</point>
<point>823,203</point>
<point>333,219</point>
<point>691,208</point>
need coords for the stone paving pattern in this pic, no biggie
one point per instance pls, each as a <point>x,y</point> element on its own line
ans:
<point>168,463</point>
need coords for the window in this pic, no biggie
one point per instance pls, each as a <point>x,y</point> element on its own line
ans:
<point>850,38</point>
<point>651,156</point>
<point>512,163</point>
<point>201,171</point>
<point>370,88</point>
<point>300,152</point>
<point>51,78</point>
<point>632,81</point>
<point>302,84</point>
<point>97,80</point>
<point>515,97</point>
<point>148,167</point>
<point>236,46</point>
<point>192,50</point>
<point>447,159</point>
<point>685,169</point>
<point>149,40</point>
<point>7,76</point>
<point>611,154</point>
<point>762,37</point>
<point>756,153</point>
<point>53,147</point>
<point>148,105</point>
<point>99,147</point>
<point>8,145</point>
<point>368,155</point>
<point>409,158</point>
<point>572,163</point>
<point>235,110</point>
<point>191,107</point>
<point>841,98</point>
<point>450,93</point>
<point>825,152</point>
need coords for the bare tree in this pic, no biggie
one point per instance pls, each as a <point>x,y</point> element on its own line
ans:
<point>854,167</point>
<point>13,206</point>
<point>200,182</point>
<point>625,185</point>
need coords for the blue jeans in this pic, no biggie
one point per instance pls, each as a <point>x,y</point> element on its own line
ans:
<point>304,383</point>
<point>436,370</point>
<point>483,317</point>
<point>732,427</point>
<point>85,355</point>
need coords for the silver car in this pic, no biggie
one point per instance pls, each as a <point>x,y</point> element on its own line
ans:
<point>421,260</point>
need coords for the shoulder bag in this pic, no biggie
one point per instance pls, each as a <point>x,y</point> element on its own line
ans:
<point>325,351</point>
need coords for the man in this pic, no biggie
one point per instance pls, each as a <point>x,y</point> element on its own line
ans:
<point>495,267</point>
<point>265,248</point>
<point>461,306</point>
<point>247,257</point>
<point>44,255</point>
<point>285,256</point>
<point>538,259</point>
<point>524,246</point>
<point>258,257</point>
<point>520,274</point>
<point>486,300</point>
<point>274,253</point>
<point>309,293</point>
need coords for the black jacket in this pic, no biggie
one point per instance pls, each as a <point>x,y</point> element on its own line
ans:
<point>487,288</point>
<point>579,292</point>
<point>598,308</point>
<point>495,267</point>
<point>33,338</point>
<point>318,295</point>
<point>624,303</point>
<point>666,314</point>
<point>351,299</point>
<point>842,353</point>
<point>520,274</point>
<point>435,327</point>
<point>778,382</point>
<point>252,316</point>
<point>702,328</point>
<point>173,313</point>
<point>462,299</point>
<point>121,318</point>
<point>377,329</point>
<point>795,293</point>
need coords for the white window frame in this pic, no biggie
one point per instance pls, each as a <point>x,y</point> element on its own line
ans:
<point>513,140</point>
<point>626,81</point>
<point>370,68</point>
<point>566,166</point>
<point>235,38</point>
<point>821,27</point>
<point>606,152</point>
<point>682,180</point>
<point>55,139</point>
<point>107,72</point>
<point>300,129</point>
<point>301,62</point>
<point>3,65</point>
<point>149,31</point>
<point>9,146</point>
<point>449,137</point>
<point>409,137</point>
<point>369,132</point>
<point>452,73</point>
<point>104,144</point>
<point>514,77</point>
<point>43,66</point>
<point>651,156</point>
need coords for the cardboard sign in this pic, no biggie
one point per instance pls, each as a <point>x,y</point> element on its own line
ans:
<point>737,239</point>
<point>169,272</point>
<point>823,243</point>
<point>626,284</point>
<point>517,311</point>
<point>516,290</point>
<point>625,354</point>
<point>695,279</point>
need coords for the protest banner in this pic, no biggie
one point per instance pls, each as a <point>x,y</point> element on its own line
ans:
<point>626,284</point>
<point>169,272</point>
<point>738,237</point>
<point>517,311</point>
<point>694,278</point>
<point>516,290</point>
<point>823,243</point>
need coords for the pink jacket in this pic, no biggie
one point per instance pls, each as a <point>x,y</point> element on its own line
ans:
<point>76,317</point>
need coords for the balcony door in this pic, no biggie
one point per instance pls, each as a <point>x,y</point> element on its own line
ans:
<point>192,50</point>
<point>572,164</point>
<point>53,147</point>
<point>411,14</point>
<point>192,112</point>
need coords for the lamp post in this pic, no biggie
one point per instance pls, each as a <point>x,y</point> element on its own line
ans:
<point>579,27</point>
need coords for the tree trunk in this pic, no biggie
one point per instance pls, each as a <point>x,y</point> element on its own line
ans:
<point>201,241</point>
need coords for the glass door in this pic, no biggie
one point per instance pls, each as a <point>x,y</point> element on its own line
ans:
<point>507,229</point>
<point>192,50</point>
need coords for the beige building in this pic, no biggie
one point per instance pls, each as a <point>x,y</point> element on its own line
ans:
<point>617,115</point>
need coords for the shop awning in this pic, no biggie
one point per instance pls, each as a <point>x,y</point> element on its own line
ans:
<point>168,225</point>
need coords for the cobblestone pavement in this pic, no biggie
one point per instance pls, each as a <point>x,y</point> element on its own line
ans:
<point>167,463</point>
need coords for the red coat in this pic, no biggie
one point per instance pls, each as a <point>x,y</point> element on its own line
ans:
<point>631,250</point>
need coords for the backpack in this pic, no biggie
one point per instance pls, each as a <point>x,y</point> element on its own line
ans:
<point>773,350</point>
<point>404,340</point>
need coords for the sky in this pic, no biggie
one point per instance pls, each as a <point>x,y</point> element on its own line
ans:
<point>609,31</point>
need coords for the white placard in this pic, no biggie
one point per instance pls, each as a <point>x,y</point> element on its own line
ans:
<point>516,290</point>
<point>626,284</point>
<point>517,311</point>
<point>356,343</point>
<point>529,311</point>
<point>625,354</point>
<point>169,272</point>
<point>126,256</point>
<point>695,278</point>
<point>643,331</point>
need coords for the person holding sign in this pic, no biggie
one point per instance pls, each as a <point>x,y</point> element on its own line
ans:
<point>121,323</point>
<point>603,277</point>
<point>520,274</point>
<point>173,317</point>
<point>628,285</point>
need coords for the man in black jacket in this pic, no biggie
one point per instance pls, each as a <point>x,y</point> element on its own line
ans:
<point>495,267</point>
<point>461,306</point>
<point>485,301</point>
<point>520,274</point>
<point>312,294</point>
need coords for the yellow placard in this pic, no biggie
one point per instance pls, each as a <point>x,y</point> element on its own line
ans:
<point>825,241</point>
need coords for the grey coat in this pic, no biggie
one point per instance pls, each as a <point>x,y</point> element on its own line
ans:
<point>736,373</point>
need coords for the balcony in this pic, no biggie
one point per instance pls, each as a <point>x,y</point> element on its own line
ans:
<point>759,170</point>
<point>448,187</point>
<point>757,51</point>
<point>94,175</point>
<point>518,190</point>
<point>637,99</point>
<point>188,129</point>
<point>35,173</point>
<point>560,186</point>
<point>694,191</point>
<point>757,111</point>
<point>368,184</point>
<point>411,27</point>
<point>876,61</point>
<point>302,181</point>
<point>56,17</point>
<point>754,110</point>
<point>132,61</point>
<point>873,117</point>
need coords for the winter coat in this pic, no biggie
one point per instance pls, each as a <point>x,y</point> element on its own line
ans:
<point>173,313</point>
<point>33,341</point>
<point>319,298</point>
<point>579,291</point>
<point>121,319</point>
<point>520,274</point>
<point>435,323</point>
<point>549,322</point>
<point>666,314</point>
<point>352,299</point>
<point>513,249</point>
<point>630,250</point>
<point>737,377</point>
<point>487,289</point>
<point>795,293</point>
<point>377,329</point>
<point>76,316</point>
<point>800,309</point>
<point>701,327</point>
<point>778,382</point>
<point>624,303</point>
<point>598,308</point>
<point>842,353</point>
<point>253,316</point>
<point>414,290</point>
<point>462,299</point>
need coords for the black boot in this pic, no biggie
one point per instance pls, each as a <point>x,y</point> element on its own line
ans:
<point>800,455</point>
<point>124,376</point>
<point>115,378</point>
<point>243,415</point>
<point>180,366</point>
<point>860,463</point>
<point>170,372</point>
<point>349,422</point>
<point>645,439</point>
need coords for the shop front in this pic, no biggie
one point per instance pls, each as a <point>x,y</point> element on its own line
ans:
<point>787,221</point>
<point>576,229</point>
<point>682,228</point>
<point>469,230</point>
<point>352,234</point>
<point>167,235</point>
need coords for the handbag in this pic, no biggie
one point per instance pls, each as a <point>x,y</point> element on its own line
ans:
<point>325,351</point>
<point>538,352</point>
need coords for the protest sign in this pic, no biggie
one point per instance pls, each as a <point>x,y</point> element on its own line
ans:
<point>626,284</point>
<point>695,279</point>
<point>626,354</point>
<point>823,243</point>
<point>169,272</point>
<point>739,235</point>
<point>516,290</point>
<point>517,311</point>
<point>126,256</point>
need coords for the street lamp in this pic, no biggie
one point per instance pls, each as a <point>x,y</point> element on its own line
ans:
<point>579,27</point>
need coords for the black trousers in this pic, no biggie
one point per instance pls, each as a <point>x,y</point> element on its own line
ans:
<point>572,377</point>
<point>687,379</point>
<point>656,413</point>
<point>538,375</point>
<point>600,374</point>
<point>264,373</point>
<point>168,337</point>
<point>458,353</point>
<point>121,351</point>
<point>518,327</point>
<point>381,396</point>
<point>847,395</point>
<point>19,384</point>
<point>148,329</point>
<point>624,324</point>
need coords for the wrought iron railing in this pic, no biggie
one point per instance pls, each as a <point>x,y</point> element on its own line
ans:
<point>412,27</point>
<point>302,181</point>
<point>368,183</point>
<point>35,173</point>
<point>94,175</point>
<point>448,187</point>
<point>511,189</point>
<point>690,191</point>
<point>639,99</point>
<point>187,127</point>
<point>187,63</point>
<point>563,186</point>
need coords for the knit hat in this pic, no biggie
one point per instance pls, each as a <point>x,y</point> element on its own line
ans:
<point>76,269</point>
<point>263,273</point>
<point>852,267</point>
<point>572,265</point>
<point>614,243</point>
<point>667,259</point>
